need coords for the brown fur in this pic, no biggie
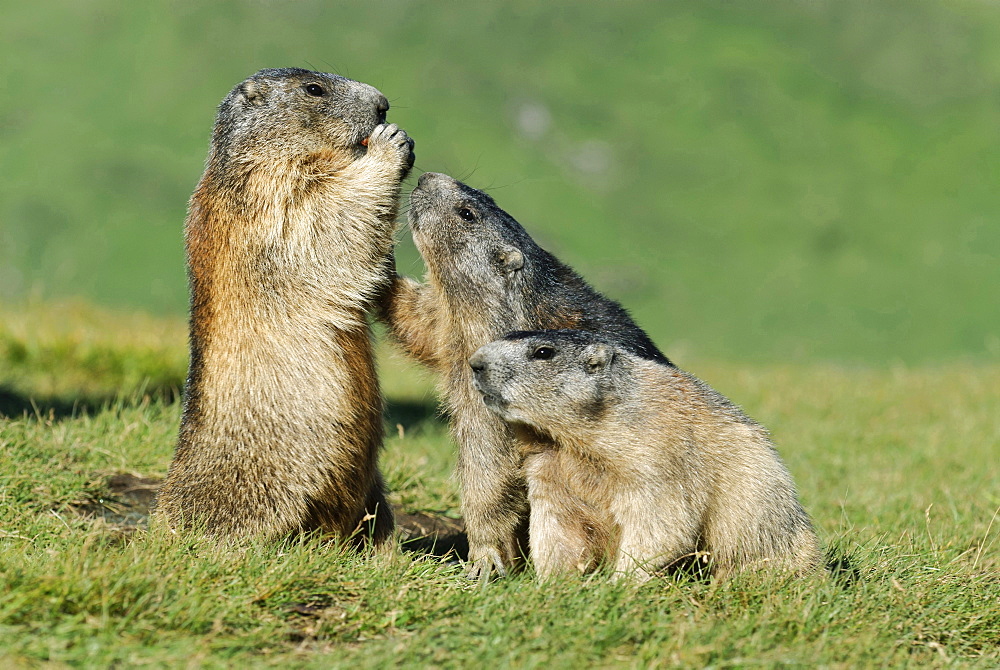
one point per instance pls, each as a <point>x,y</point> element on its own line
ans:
<point>485,278</point>
<point>644,464</point>
<point>288,240</point>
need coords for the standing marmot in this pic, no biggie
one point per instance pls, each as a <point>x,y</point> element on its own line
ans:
<point>485,278</point>
<point>638,464</point>
<point>288,237</point>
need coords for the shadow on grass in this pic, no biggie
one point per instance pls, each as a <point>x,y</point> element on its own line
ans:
<point>15,404</point>
<point>841,568</point>
<point>433,534</point>
<point>410,413</point>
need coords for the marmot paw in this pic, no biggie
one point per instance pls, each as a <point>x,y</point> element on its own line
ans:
<point>481,567</point>
<point>391,138</point>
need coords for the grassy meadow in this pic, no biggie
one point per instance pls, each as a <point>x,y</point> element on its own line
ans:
<point>797,199</point>
<point>897,466</point>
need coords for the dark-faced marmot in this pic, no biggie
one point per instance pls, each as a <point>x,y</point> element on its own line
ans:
<point>485,278</point>
<point>288,238</point>
<point>635,464</point>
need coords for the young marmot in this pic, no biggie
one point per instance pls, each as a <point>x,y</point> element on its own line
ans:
<point>289,238</point>
<point>637,464</point>
<point>485,278</point>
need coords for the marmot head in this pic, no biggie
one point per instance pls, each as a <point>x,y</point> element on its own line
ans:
<point>472,247</point>
<point>552,380</point>
<point>292,112</point>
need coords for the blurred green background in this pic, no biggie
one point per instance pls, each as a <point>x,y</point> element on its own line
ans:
<point>808,180</point>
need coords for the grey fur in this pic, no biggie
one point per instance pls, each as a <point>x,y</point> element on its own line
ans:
<point>485,278</point>
<point>636,464</point>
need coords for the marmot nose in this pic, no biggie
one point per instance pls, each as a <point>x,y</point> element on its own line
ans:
<point>477,363</point>
<point>381,106</point>
<point>428,177</point>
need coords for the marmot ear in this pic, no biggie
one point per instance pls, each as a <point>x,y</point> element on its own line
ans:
<point>512,259</point>
<point>599,356</point>
<point>253,92</point>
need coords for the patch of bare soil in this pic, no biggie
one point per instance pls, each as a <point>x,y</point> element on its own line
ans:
<point>121,504</point>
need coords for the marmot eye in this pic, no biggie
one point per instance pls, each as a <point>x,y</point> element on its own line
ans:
<point>314,89</point>
<point>466,214</point>
<point>543,353</point>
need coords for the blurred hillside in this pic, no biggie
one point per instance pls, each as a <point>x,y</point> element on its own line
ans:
<point>811,179</point>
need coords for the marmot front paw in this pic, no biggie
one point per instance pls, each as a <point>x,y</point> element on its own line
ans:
<point>397,145</point>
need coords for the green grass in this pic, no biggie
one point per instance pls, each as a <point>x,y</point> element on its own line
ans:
<point>796,199</point>
<point>756,181</point>
<point>898,468</point>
